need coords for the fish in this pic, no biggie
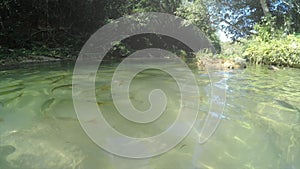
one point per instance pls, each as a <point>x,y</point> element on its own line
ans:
<point>104,87</point>
<point>58,79</point>
<point>182,146</point>
<point>55,77</point>
<point>100,103</point>
<point>12,98</point>
<point>11,91</point>
<point>287,105</point>
<point>12,86</point>
<point>62,86</point>
<point>46,105</point>
<point>67,118</point>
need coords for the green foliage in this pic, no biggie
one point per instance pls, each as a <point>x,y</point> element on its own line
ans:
<point>204,54</point>
<point>154,6</point>
<point>237,17</point>
<point>196,13</point>
<point>64,25</point>
<point>272,46</point>
<point>281,51</point>
<point>231,50</point>
<point>266,30</point>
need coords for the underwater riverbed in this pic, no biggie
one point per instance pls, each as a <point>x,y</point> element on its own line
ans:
<point>260,127</point>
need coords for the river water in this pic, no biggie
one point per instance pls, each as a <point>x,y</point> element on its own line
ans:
<point>260,127</point>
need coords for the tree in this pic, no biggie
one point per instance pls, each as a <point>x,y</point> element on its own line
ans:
<point>238,17</point>
<point>69,23</point>
<point>197,13</point>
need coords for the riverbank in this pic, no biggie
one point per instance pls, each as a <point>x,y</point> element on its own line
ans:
<point>17,62</point>
<point>10,57</point>
<point>201,63</point>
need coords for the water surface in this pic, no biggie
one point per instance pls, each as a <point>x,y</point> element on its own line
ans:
<point>260,128</point>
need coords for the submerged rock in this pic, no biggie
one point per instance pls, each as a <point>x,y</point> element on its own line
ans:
<point>271,67</point>
<point>32,149</point>
<point>40,59</point>
<point>4,152</point>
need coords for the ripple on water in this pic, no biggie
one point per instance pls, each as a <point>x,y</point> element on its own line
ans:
<point>262,129</point>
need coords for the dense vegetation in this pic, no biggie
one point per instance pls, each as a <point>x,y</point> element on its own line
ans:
<point>282,51</point>
<point>266,30</point>
<point>32,26</point>
<point>269,46</point>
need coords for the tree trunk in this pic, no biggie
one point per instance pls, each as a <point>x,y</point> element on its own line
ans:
<point>264,7</point>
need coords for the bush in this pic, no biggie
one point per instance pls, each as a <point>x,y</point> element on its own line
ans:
<point>281,51</point>
<point>272,46</point>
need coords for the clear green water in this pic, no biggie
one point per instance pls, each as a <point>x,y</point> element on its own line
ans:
<point>260,128</point>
